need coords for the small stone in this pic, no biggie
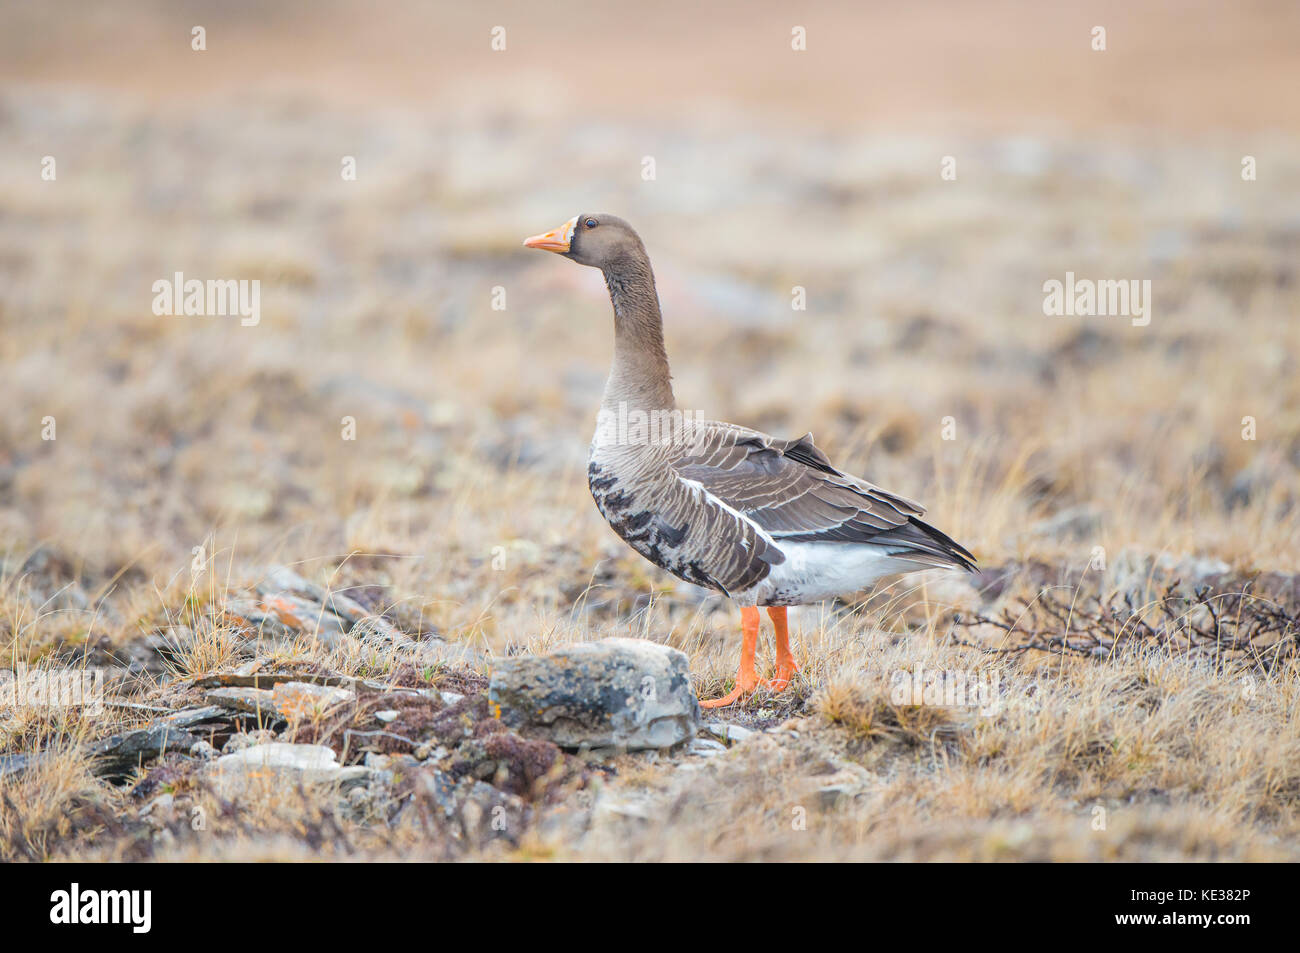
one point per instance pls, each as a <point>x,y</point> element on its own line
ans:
<point>438,787</point>
<point>729,733</point>
<point>706,747</point>
<point>160,808</point>
<point>359,798</point>
<point>351,776</point>
<point>630,807</point>
<point>832,794</point>
<point>192,716</point>
<point>245,740</point>
<point>386,716</point>
<point>606,753</point>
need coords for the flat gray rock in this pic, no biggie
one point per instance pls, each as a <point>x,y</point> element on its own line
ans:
<point>280,761</point>
<point>123,752</point>
<point>255,701</point>
<point>629,694</point>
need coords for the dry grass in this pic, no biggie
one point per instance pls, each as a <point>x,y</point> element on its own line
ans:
<point>193,453</point>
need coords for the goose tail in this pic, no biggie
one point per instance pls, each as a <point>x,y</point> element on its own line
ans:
<point>921,543</point>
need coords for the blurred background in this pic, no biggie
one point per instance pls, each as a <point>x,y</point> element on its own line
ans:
<point>773,168</point>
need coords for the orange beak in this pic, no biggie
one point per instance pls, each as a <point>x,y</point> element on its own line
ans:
<point>557,239</point>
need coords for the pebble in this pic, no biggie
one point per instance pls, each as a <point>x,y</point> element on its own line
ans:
<point>705,747</point>
<point>731,733</point>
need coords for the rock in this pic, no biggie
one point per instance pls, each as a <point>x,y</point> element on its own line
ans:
<point>832,795</point>
<point>253,614</point>
<point>387,715</point>
<point>728,733</point>
<point>705,747</point>
<point>371,802</point>
<point>377,632</point>
<point>251,676</point>
<point>281,761</point>
<point>256,701</point>
<point>429,752</point>
<point>188,717</point>
<point>285,616</point>
<point>844,784</point>
<point>14,764</point>
<point>306,615</point>
<point>160,810</point>
<point>298,700</point>
<point>439,788</point>
<point>624,693</point>
<point>636,807</point>
<point>122,753</point>
<point>486,812</point>
<point>241,741</point>
<point>349,610</point>
<point>477,810</point>
<point>282,580</point>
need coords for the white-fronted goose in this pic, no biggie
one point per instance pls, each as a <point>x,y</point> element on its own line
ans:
<point>767,522</point>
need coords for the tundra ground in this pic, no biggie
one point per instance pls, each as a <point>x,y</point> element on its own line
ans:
<point>407,424</point>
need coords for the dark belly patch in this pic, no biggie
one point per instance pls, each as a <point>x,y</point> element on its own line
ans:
<point>645,530</point>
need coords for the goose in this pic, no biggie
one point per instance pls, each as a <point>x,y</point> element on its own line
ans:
<point>766,522</point>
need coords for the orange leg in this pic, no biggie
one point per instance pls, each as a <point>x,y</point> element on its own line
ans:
<point>746,678</point>
<point>785,663</point>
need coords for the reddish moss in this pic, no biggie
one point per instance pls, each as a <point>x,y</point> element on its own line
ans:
<point>461,720</point>
<point>461,681</point>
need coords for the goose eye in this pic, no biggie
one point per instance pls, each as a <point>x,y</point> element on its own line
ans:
<point>590,223</point>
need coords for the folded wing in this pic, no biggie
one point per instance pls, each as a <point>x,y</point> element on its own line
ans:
<point>790,490</point>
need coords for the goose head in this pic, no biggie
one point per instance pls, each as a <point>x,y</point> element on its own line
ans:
<point>601,241</point>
